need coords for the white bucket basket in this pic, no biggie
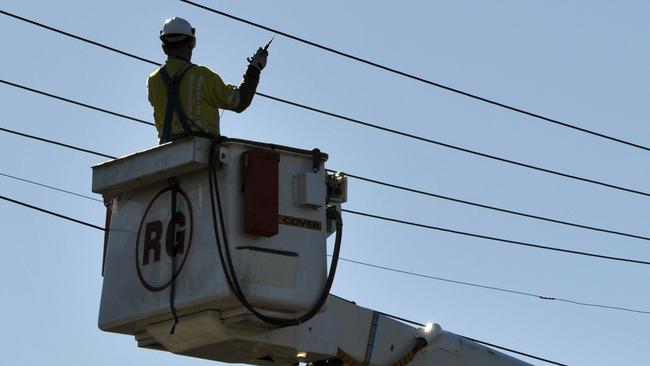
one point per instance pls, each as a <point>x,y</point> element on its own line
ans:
<point>278,251</point>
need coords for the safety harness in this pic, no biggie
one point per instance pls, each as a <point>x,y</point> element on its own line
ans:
<point>174,103</point>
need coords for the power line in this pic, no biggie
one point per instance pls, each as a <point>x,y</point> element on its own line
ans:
<point>417,78</point>
<point>68,100</point>
<point>371,180</point>
<point>393,219</point>
<point>74,101</point>
<point>392,316</point>
<point>388,268</point>
<point>49,187</point>
<point>369,215</point>
<point>391,269</point>
<point>349,119</point>
<point>52,213</point>
<point>493,238</point>
<point>77,37</point>
<point>415,274</point>
<point>72,147</point>
<point>494,208</point>
<point>410,273</point>
<point>494,288</point>
<point>57,143</point>
<point>454,147</point>
<point>515,242</point>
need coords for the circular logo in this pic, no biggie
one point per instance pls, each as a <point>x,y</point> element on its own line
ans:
<point>163,241</point>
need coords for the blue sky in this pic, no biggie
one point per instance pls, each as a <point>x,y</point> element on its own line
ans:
<point>583,62</point>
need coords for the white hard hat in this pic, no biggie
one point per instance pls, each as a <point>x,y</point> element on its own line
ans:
<point>176,29</point>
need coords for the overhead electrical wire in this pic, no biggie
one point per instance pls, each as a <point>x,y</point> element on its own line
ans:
<point>74,36</point>
<point>494,208</point>
<point>457,148</point>
<point>415,274</point>
<point>49,187</point>
<point>370,180</point>
<point>493,288</point>
<point>56,143</point>
<point>389,315</point>
<point>414,77</point>
<point>320,111</point>
<point>75,102</point>
<point>378,217</point>
<point>401,271</point>
<point>72,147</point>
<point>458,232</point>
<point>357,121</point>
<point>51,213</point>
<point>493,238</point>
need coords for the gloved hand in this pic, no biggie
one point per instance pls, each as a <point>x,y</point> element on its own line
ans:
<point>259,58</point>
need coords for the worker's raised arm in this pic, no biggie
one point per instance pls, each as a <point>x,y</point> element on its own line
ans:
<point>246,91</point>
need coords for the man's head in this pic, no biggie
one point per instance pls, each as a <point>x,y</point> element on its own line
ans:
<point>178,38</point>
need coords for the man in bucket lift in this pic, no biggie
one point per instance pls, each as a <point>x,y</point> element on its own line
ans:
<point>185,97</point>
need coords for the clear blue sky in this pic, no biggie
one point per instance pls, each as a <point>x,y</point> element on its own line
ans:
<point>585,62</point>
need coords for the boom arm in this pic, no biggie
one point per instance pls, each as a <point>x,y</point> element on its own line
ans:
<point>344,332</point>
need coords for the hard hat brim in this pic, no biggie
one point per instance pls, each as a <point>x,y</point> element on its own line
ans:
<point>174,37</point>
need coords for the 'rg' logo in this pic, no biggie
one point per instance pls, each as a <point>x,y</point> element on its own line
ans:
<point>161,238</point>
<point>153,234</point>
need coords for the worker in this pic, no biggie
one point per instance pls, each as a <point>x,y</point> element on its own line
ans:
<point>186,98</point>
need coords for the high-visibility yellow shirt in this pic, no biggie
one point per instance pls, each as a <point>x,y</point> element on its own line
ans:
<point>202,92</point>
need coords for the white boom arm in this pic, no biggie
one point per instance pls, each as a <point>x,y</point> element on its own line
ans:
<point>343,332</point>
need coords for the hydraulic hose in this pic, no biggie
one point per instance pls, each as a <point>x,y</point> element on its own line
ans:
<point>226,258</point>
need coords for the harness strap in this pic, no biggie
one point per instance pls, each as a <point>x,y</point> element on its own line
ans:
<point>174,102</point>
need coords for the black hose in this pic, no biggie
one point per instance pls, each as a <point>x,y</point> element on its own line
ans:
<point>172,280</point>
<point>226,260</point>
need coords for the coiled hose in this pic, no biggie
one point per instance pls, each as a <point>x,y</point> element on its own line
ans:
<point>226,258</point>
